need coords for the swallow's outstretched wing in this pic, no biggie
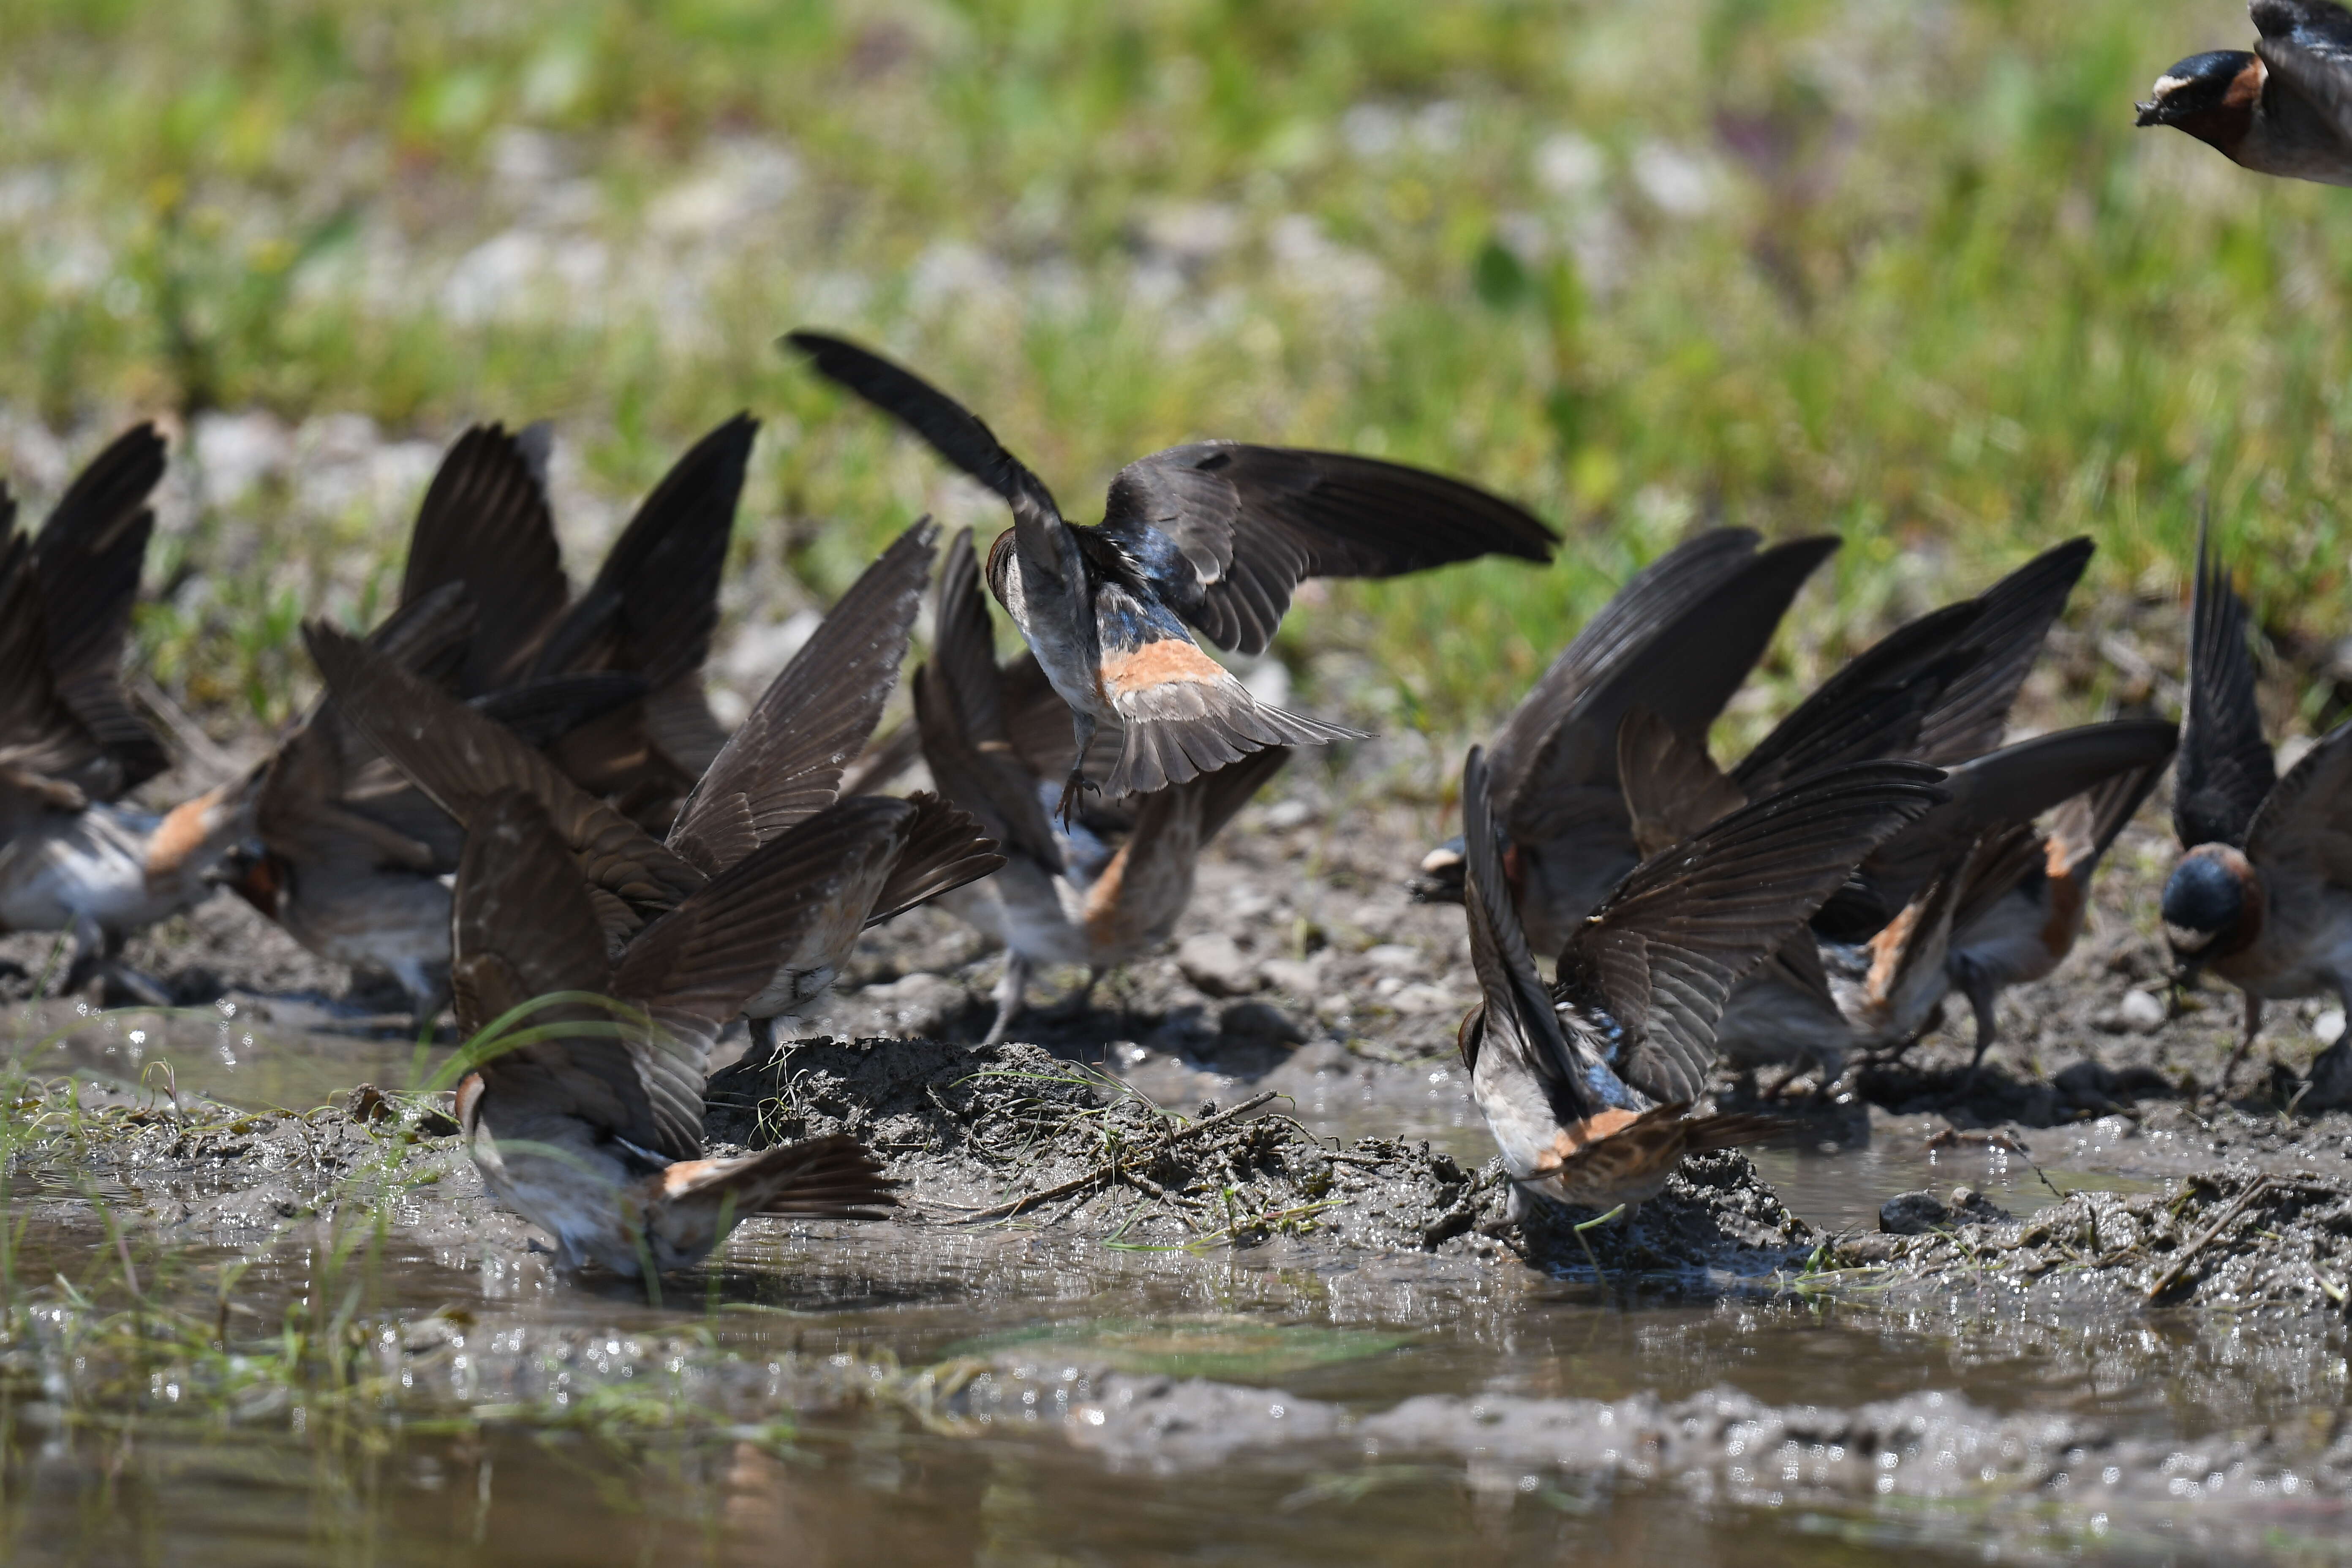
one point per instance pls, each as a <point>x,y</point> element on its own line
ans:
<point>783,765</point>
<point>524,926</point>
<point>87,558</point>
<point>2308,44</point>
<point>954,431</point>
<point>2304,825</point>
<point>1871,708</point>
<point>2010,786</point>
<point>2082,830</point>
<point>485,523</point>
<point>655,601</point>
<point>1662,954</point>
<point>1672,789</point>
<point>2225,767</point>
<point>1515,1016</point>
<point>1225,533</point>
<point>2014,618</point>
<point>1677,640</point>
<point>45,753</point>
<point>460,758</point>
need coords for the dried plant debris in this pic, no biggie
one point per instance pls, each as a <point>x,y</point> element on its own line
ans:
<point>1010,1133</point>
<point>2235,1237</point>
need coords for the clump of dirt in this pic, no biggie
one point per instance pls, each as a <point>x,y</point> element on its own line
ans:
<point>981,1133</point>
<point>2236,1237</point>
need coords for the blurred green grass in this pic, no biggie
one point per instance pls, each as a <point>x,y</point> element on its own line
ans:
<point>1899,269</point>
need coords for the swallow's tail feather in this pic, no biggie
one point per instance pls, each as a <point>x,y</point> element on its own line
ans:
<point>1179,731</point>
<point>1708,1133</point>
<point>818,1178</point>
<point>946,848</point>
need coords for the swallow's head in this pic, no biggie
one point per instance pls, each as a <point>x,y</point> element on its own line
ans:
<point>2210,96</point>
<point>2212,907</point>
<point>1471,1035</point>
<point>254,874</point>
<point>1442,877</point>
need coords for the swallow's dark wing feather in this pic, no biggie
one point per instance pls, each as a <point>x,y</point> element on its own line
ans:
<point>524,926</point>
<point>1874,705</point>
<point>1678,640</point>
<point>945,849</point>
<point>460,758</point>
<point>2014,619</point>
<point>88,557</point>
<point>784,762</point>
<point>2305,827</point>
<point>960,710</point>
<point>2004,860</point>
<point>544,711</point>
<point>45,751</point>
<point>654,601</point>
<point>2225,767</point>
<point>2014,785</point>
<point>2082,830</point>
<point>2307,45</point>
<point>1515,1014</point>
<point>1663,953</point>
<point>1672,789</point>
<point>694,968</point>
<point>485,523</point>
<point>1226,791</point>
<point>1225,532</point>
<point>954,431</point>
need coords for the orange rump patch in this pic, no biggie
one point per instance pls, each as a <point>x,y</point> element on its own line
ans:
<point>182,833</point>
<point>1170,661</point>
<point>1575,1140</point>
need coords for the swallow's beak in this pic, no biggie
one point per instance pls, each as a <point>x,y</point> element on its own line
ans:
<point>2150,113</point>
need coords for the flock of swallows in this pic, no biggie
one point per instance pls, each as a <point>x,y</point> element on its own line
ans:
<point>518,801</point>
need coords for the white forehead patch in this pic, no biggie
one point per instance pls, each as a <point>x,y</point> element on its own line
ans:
<point>2166,86</point>
<point>2184,939</point>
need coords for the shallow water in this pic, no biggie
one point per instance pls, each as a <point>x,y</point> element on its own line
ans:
<point>545,1421</point>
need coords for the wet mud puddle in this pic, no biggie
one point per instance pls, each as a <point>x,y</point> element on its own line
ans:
<point>238,1335</point>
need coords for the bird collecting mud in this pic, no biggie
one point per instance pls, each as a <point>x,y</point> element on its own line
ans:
<point>589,1123</point>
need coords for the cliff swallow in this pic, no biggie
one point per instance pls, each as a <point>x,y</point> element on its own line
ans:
<point>1840,987</point>
<point>1101,891</point>
<point>777,777</point>
<point>597,1135</point>
<point>73,858</point>
<point>1587,1084</point>
<point>1685,633</point>
<point>1678,639</point>
<point>2286,108</point>
<point>2262,896</point>
<point>1216,535</point>
<point>348,856</point>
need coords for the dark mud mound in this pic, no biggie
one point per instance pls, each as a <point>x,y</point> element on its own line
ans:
<point>1007,1133</point>
<point>2235,1237</point>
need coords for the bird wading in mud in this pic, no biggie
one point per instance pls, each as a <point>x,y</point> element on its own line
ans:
<point>1588,1083</point>
<point>1214,536</point>
<point>595,1132</point>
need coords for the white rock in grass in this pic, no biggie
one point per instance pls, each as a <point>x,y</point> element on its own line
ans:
<point>2142,1011</point>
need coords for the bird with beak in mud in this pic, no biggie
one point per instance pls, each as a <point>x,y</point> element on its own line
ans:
<point>1587,1084</point>
<point>589,1123</point>
<point>2262,895</point>
<point>1212,536</point>
<point>2283,108</point>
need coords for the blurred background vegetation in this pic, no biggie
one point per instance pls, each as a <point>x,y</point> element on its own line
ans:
<point>1902,268</point>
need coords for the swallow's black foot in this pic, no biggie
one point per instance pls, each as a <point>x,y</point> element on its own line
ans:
<point>1073,789</point>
